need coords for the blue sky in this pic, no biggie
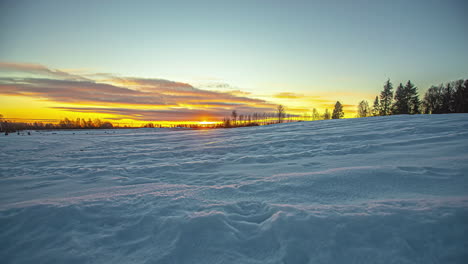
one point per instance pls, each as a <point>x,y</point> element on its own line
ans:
<point>262,47</point>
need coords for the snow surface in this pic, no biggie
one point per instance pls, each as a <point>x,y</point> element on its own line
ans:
<point>370,190</point>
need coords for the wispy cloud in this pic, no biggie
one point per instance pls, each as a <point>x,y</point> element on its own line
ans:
<point>37,69</point>
<point>127,97</point>
<point>172,114</point>
<point>288,95</point>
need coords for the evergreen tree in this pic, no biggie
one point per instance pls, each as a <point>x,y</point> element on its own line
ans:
<point>376,107</point>
<point>386,97</point>
<point>401,104</point>
<point>413,98</point>
<point>326,114</point>
<point>338,111</point>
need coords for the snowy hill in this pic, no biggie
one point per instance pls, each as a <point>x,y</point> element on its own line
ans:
<point>370,190</point>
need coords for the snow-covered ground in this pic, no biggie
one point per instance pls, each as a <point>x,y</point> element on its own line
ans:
<point>370,190</point>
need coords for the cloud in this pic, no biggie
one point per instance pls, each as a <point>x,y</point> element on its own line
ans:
<point>216,85</point>
<point>124,96</point>
<point>179,114</point>
<point>37,69</point>
<point>288,95</point>
<point>79,92</point>
<point>172,114</point>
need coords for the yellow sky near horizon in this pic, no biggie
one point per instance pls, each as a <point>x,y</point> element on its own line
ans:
<point>27,109</point>
<point>31,92</point>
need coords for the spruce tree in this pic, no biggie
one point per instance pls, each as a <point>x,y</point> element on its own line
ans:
<point>386,97</point>
<point>401,104</point>
<point>376,107</point>
<point>413,98</point>
<point>338,111</point>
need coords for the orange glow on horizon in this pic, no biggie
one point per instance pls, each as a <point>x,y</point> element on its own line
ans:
<point>137,101</point>
<point>208,123</point>
<point>30,110</point>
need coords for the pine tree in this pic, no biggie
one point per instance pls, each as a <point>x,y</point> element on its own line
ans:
<point>413,98</point>
<point>376,107</point>
<point>326,114</point>
<point>386,97</point>
<point>338,111</point>
<point>401,104</point>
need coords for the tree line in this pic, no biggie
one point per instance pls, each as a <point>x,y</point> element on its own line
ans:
<point>256,119</point>
<point>279,116</point>
<point>79,123</point>
<point>451,97</point>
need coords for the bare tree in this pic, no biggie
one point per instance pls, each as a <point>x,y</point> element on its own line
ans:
<point>234,116</point>
<point>363,109</point>
<point>280,113</point>
<point>315,114</point>
<point>241,119</point>
<point>227,122</point>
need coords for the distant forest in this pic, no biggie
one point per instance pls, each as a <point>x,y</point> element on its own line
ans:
<point>79,123</point>
<point>451,97</point>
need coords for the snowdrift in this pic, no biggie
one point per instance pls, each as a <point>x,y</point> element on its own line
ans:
<point>370,190</point>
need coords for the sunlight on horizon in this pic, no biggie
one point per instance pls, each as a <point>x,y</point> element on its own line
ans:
<point>202,61</point>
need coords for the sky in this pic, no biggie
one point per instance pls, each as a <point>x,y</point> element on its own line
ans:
<point>140,61</point>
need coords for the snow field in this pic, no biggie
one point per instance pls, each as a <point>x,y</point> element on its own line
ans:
<point>370,190</point>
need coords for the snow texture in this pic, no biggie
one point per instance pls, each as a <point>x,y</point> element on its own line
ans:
<point>370,190</point>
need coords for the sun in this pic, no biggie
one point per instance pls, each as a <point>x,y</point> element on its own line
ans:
<point>206,122</point>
